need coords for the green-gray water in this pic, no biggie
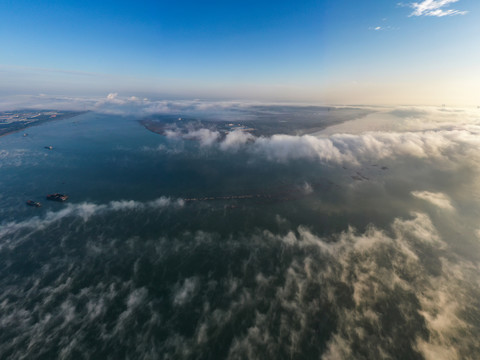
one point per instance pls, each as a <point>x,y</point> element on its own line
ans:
<point>286,247</point>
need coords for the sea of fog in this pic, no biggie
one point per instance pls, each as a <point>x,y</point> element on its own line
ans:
<point>357,240</point>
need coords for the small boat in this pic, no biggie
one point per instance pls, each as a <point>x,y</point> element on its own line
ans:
<point>49,147</point>
<point>57,197</point>
<point>33,203</point>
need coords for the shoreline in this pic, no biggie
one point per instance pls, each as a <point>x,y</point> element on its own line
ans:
<point>21,127</point>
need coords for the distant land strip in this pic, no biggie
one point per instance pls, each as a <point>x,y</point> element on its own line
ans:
<point>15,121</point>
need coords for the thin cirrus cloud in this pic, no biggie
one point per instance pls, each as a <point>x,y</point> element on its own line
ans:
<point>382,28</point>
<point>434,8</point>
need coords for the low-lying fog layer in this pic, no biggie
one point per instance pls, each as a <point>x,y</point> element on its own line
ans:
<point>358,241</point>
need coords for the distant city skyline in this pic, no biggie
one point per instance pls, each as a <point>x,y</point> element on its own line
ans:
<point>331,52</point>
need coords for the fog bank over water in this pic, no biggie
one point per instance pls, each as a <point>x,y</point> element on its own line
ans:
<point>322,233</point>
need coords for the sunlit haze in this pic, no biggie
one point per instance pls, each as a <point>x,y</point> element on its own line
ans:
<point>331,52</point>
<point>210,180</point>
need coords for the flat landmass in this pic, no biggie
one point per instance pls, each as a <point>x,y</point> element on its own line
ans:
<point>257,120</point>
<point>13,121</point>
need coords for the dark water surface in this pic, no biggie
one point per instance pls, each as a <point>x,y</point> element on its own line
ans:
<point>171,250</point>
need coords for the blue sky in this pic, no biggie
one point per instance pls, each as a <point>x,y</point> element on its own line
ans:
<point>343,51</point>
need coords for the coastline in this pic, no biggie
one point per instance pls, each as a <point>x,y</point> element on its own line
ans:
<point>20,126</point>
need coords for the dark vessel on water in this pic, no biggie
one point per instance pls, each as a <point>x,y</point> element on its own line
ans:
<point>57,197</point>
<point>33,203</point>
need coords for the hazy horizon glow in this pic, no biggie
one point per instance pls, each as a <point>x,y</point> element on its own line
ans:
<point>341,52</point>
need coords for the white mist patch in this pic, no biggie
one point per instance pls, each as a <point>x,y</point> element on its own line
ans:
<point>274,296</point>
<point>135,299</point>
<point>407,119</point>
<point>307,188</point>
<point>438,199</point>
<point>123,205</point>
<point>124,105</point>
<point>85,211</point>
<point>235,139</point>
<point>287,147</point>
<point>354,149</point>
<point>185,291</point>
<point>429,135</point>
<point>206,137</point>
<point>381,271</point>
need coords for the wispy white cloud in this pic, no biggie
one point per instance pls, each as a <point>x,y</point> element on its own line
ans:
<point>235,139</point>
<point>206,137</point>
<point>86,211</point>
<point>116,104</point>
<point>382,28</point>
<point>183,293</point>
<point>434,8</point>
<point>350,270</point>
<point>355,149</point>
<point>448,136</point>
<point>439,199</point>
